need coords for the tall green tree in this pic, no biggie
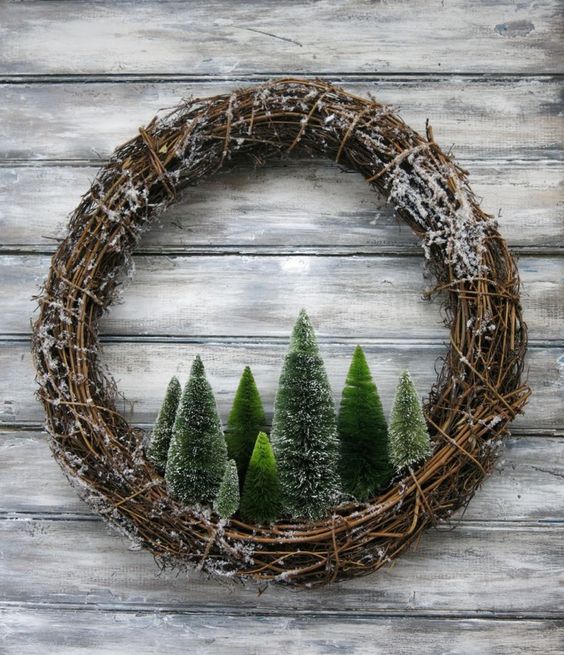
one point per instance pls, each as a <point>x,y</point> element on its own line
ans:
<point>409,437</point>
<point>304,429</point>
<point>227,501</point>
<point>245,421</point>
<point>159,443</point>
<point>197,454</point>
<point>363,432</point>
<point>261,501</point>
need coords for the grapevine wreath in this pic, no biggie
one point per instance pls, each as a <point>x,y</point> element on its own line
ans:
<point>477,393</point>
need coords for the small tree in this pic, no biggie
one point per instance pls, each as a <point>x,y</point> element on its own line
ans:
<point>409,437</point>
<point>304,429</point>
<point>261,500</point>
<point>227,501</point>
<point>159,443</point>
<point>197,454</point>
<point>363,432</point>
<point>246,420</point>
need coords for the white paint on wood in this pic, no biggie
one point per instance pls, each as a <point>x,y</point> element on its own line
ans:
<point>261,296</point>
<point>509,130</point>
<point>475,568</point>
<point>142,369</point>
<point>525,486</point>
<point>248,37</point>
<point>29,631</point>
<point>482,119</point>
<point>295,204</point>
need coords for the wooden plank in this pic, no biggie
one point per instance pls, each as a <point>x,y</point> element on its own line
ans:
<point>28,631</point>
<point>142,370</point>
<point>483,118</point>
<point>286,205</point>
<point>475,568</point>
<point>526,485</point>
<point>261,296</point>
<point>353,36</point>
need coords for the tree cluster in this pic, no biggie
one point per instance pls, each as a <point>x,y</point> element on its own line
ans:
<point>315,457</point>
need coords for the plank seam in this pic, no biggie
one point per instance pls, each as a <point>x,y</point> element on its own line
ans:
<point>310,250</point>
<point>510,525</point>
<point>258,340</point>
<point>257,78</point>
<point>359,615</point>
<point>20,427</point>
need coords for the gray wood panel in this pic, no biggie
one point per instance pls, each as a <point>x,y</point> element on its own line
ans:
<point>261,296</point>
<point>525,486</point>
<point>59,632</point>
<point>249,37</point>
<point>476,569</point>
<point>481,118</point>
<point>78,78</point>
<point>143,368</point>
<point>292,205</point>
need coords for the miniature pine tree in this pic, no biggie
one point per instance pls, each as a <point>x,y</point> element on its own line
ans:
<point>261,501</point>
<point>197,454</point>
<point>227,501</point>
<point>409,437</point>
<point>363,432</point>
<point>159,443</point>
<point>304,429</point>
<point>246,420</point>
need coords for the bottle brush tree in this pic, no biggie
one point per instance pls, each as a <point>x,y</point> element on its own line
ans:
<point>245,421</point>
<point>363,433</point>
<point>197,454</point>
<point>304,429</point>
<point>159,443</point>
<point>409,437</point>
<point>261,500</point>
<point>227,501</point>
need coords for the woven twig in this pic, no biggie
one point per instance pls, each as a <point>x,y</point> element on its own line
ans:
<point>478,390</point>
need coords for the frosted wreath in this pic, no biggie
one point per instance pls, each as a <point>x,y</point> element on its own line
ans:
<point>477,393</point>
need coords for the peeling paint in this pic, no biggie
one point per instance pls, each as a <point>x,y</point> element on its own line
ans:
<point>515,28</point>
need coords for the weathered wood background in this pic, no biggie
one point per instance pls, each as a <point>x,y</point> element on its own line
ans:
<point>225,274</point>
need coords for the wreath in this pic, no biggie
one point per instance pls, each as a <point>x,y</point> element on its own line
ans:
<point>478,390</point>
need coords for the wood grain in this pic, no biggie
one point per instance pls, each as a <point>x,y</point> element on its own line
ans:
<point>298,205</point>
<point>480,568</point>
<point>76,79</point>
<point>332,36</point>
<point>480,118</point>
<point>143,368</point>
<point>28,631</point>
<point>261,296</point>
<point>526,485</point>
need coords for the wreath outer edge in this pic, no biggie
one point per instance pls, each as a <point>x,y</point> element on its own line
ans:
<point>477,393</point>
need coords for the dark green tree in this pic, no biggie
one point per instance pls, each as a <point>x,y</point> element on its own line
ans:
<point>304,429</point>
<point>245,421</point>
<point>261,501</point>
<point>157,450</point>
<point>409,438</point>
<point>197,454</point>
<point>363,432</point>
<point>227,501</point>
